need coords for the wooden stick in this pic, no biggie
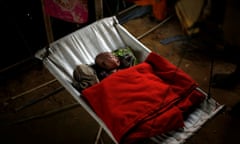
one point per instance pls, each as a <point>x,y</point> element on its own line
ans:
<point>16,64</point>
<point>127,9</point>
<point>26,92</point>
<point>155,27</point>
<point>48,113</point>
<point>33,101</point>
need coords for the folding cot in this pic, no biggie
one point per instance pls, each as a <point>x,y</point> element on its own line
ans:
<point>81,47</point>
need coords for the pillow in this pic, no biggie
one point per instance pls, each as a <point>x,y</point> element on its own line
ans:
<point>84,76</point>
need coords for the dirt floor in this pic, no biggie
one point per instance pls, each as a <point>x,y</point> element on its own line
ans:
<point>56,119</point>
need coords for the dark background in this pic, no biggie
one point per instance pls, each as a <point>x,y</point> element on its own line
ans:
<point>23,30</point>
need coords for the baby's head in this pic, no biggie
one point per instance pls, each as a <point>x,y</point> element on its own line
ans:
<point>107,60</point>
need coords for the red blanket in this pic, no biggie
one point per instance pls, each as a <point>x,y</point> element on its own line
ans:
<point>144,100</point>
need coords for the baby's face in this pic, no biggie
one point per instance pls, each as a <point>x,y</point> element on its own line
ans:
<point>107,61</point>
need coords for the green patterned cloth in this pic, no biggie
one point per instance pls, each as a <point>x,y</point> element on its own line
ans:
<point>126,57</point>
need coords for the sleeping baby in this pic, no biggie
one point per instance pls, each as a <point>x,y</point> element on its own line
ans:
<point>106,63</point>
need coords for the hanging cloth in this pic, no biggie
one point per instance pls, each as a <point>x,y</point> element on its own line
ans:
<point>75,11</point>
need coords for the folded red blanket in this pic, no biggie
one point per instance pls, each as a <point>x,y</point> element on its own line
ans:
<point>144,100</point>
